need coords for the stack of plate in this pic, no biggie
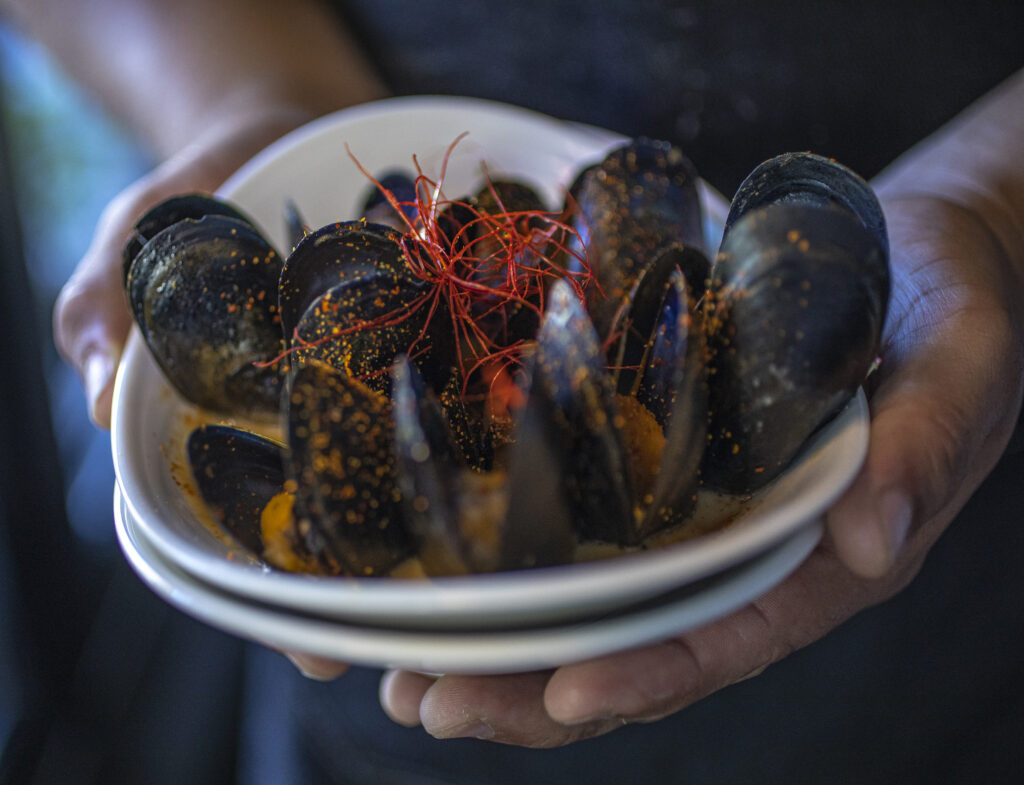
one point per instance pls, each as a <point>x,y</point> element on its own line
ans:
<point>468,624</point>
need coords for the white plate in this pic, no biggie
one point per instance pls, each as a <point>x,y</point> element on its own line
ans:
<point>437,651</point>
<point>311,167</point>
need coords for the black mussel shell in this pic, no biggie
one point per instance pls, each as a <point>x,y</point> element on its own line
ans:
<point>641,199</point>
<point>168,213</point>
<point>674,389</point>
<point>332,255</point>
<point>348,506</point>
<point>662,363</point>
<point>473,440</point>
<point>204,295</point>
<point>500,197</point>
<point>503,200</point>
<point>643,322</point>
<point>570,384</point>
<point>799,297</point>
<point>294,223</point>
<point>812,180</point>
<point>539,529</point>
<point>470,521</point>
<point>427,465</point>
<point>236,473</point>
<point>349,299</point>
<point>377,208</point>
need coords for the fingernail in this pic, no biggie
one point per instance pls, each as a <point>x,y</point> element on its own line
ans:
<point>311,668</point>
<point>473,730</point>
<point>897,512</point>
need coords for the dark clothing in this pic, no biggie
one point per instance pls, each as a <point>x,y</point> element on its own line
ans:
<point>731,82</point>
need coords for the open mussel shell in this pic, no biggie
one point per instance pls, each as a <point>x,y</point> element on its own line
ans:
<point>639,200</point>
<point>167,213</point>
<point>341,459</point>
<point>570,384</point>
<point>811,180</point>
<point>203,293</point>
<point>475,521</point>
<point>337,253</point>
<point>634,356</point>
<point>237,473</point>
<point>426,467</point>
<point>799,297</point>
<point>348,299</point>
<point>672,387</point>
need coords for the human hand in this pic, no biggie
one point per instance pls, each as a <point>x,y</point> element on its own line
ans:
<point>944,404</point>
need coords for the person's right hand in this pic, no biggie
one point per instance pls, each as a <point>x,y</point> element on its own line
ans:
<point>91,317</point>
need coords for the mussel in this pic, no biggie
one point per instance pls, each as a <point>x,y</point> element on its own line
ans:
<point>799,296</point>
<point>493,407</point>
<point>203,291</point>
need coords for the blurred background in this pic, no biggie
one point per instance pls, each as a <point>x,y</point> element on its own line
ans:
<point>84,647</point>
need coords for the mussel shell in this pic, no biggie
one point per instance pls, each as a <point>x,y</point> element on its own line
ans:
<point>644,321</point>
<point>204,295</point>
<point>799,297</point>
<point>470,521</point>
<point>576,403</point>
<point>641,199</point>
<point>812,180</point>
<point>349,299</point>
<point>493,258</point>
<point>337,329</point>
<point>376,207</point>
<point>294,223</point>
<point>335,254</point>
<point>426,468</point>
<point>348,506</point>
<point>663,359</point>
<point>674,389</point>
<point>539,529</point>
<point>169,212</point>
<point>473,439</point>
<point>236,473</point>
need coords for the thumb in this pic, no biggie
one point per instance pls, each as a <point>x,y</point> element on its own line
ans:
<point>939,423</point>
<point>90,324</point>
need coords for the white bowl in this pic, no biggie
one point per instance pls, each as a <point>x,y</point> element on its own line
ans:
<point>508,650</point>
<point>311,167</point>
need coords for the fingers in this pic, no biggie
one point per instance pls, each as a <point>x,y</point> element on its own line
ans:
<point>587,699</point>
<point>949,397</point>
<point>316,668</point>
<point>91,318</point>
<point>401,693</point>
<point>507,709</point>
<point>928,452</point>
<point>647,684</point>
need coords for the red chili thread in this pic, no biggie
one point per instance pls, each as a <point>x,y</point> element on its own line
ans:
<point>458,276</point>
<point>479,271</point>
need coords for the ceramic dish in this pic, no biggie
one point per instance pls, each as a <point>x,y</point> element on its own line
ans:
<point>514,649</point>
<point>312,168</point>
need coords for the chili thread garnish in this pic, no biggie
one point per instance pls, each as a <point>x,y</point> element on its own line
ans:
<point>481,272</point>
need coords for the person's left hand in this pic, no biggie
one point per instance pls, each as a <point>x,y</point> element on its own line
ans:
<point>943,410</point>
